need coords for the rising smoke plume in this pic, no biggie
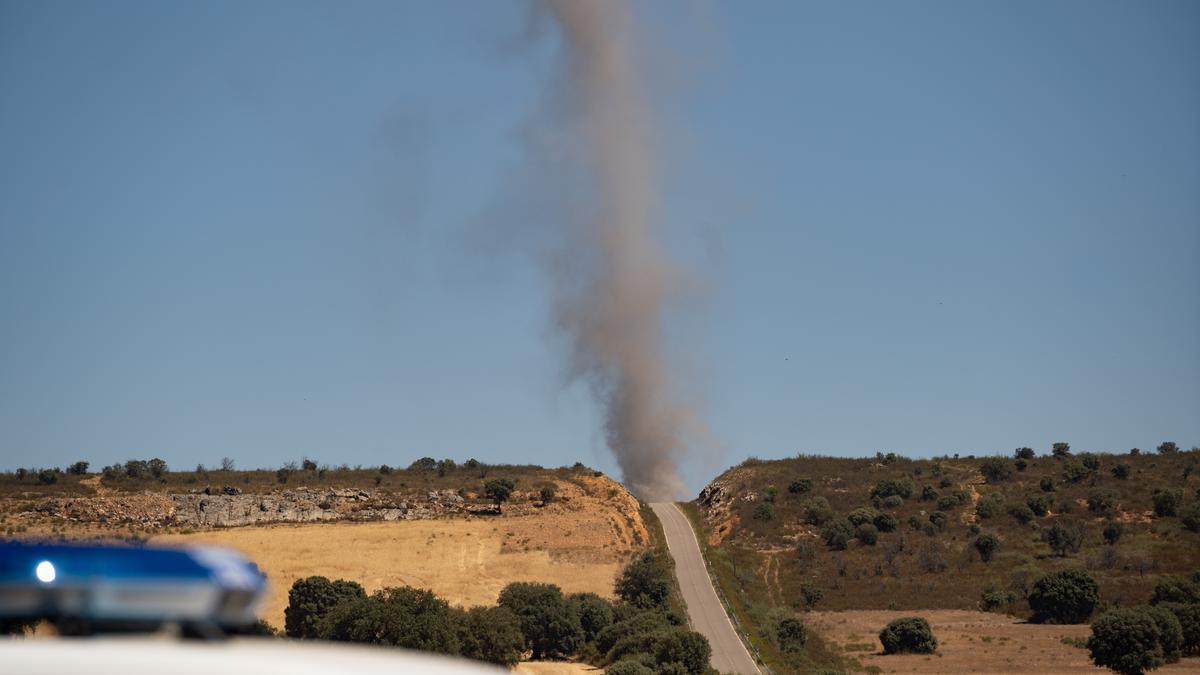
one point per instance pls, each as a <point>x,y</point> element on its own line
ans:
<point>612,280</point>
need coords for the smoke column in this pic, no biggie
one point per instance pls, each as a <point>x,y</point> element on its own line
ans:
<point>612,281</point>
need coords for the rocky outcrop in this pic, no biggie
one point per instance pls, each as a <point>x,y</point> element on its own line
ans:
<point>229,507</point>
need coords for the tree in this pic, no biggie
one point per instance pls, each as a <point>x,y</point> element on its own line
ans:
<point>646,581</point>
<point>886,522</point>
<point>1112,533</point>
<point>861,515</point>
<point>1060,449</point>
<point>1023,453</point>
<point>910,634</point>
<point>446,466</point>
<point>546,493</point>
<point>790,634</point>
<point>1127,641</point>
<point>817,511</point>
<point>987,544</point>
<point>1167,501</point>
<point>499,490</point>
<point>310,598</point>
<point>491,634</point>
<point>668,646</point>
<point>423,464</point>
<point>407,617</point>
<point>1177,589</point>
<point>764,511</point>
<point>1102,500</point>
<point>308,464</point>
<point>902,488</point>
<point>227,464</point>
<point>547,623</point>
<point>867,534</point>
<point>1167,448</point>
<point>156,467</point>
<point>1039,504</point>
<point>78,469</point>
<point>136,468</point>
<point>594,612</point>
<point>1064,536</point>
<point>1046,484</point>
<point>1068,596</point>
<point>1075,470</point>
<point>1188,616</point>
<point>1170,631</point>
<point>47,477</point>
<point>837,534</point>
<point>1190,517</point>
<point>928,494</point>
<point>1022,513</point>
<point>995,469</point>
<point>800,486</point>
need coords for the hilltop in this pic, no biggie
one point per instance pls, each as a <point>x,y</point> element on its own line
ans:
<point>955,533</point>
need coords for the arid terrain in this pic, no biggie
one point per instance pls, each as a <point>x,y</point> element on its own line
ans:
<point>976,642</point>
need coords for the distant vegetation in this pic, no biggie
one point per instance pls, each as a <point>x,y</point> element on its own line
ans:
<point>645,630</point>
<point>1062,537</point>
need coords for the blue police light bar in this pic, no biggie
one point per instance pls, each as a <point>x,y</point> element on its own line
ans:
<point>108,584</point>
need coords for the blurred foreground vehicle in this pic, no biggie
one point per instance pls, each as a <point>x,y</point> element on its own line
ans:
<point>162,594</point>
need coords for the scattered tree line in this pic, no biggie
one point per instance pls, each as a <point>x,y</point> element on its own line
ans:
<point>644,631</point>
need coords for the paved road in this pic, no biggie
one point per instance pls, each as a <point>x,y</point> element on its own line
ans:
<point>707,614</point>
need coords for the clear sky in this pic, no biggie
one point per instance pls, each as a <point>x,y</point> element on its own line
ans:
<point>268,230</point>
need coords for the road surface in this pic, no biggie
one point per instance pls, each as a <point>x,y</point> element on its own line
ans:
<point>707,614</point>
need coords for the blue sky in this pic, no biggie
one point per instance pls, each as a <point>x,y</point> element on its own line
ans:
<point>268,230</point>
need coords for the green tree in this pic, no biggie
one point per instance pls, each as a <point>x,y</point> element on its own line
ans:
<point>1023,453</point>
<point>157,467</point>
<point>1102,500</point>
<point>837,534</point>
<point>407,617</point>
<point>1167,501</point>
<point>1127,641</point>
<point>423,464</point>
<point>78,469</point>
<point>310,598</point>
<point>499,490</point>
<point>550,628</point>
<point>867,534</point>
<point>1121,471</point>
<point>1188,616</point>
<point>1068,596</point>
<point>646,581</point>
<point>594,612</point>
<point>1060,449</point>
<point>986,545</point>
<point>1168,448</point>
<point>764,511</point>
<point>668,646</point>
<point>910,634</point>
<point>47,477</point>
<point>491,634</point>
<point>995,469</point>
<point>801,486</point>
<point>1177,589</point>
<point>1064,536</point>
<point>546,493</point>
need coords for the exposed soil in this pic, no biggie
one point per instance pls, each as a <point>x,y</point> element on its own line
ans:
<point>968,642</point>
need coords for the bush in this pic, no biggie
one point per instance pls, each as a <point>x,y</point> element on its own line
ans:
<point>861,515</point>
<point>837,534</point>
<point>1168,448</point>
<point>1128,641</point>
<point>1112,533</point>
<point>499,490</point>
<point>1170,632</point>
<point>549,627</point>
<point>987,507</point>
<point>1064,536</point>
<point>491,634</point>
<point>1039,504</point>
<point>78,469</point>
<point>886,488</point>
<point>786,630</point>
<point>867,534</point>
<point>1021,464</point>
<point>407,617</point>
<point>947,503</point>
<point>811,595</point>
<point>928,494</point>
<point>993,600</point>
<point>764,511</point>
<point>1060,449</point>
<point>817,511</point>
<point>47,477</point>
<point>423,464</point>
<point>671,648</point>
<point>648,621</point>
<point>1075,471</point>
<point>939,519</point>
<point>629,666</point>
<point>800,487</point>
<point>1022,513</point>
<point>910,634</point>
<point>1046,484</point>
<point>593,612</point>
<point>893,502</point>
<point>886,522</point>
<point>1167,501</point>
<point>1102,500</point>
<point>1068,596</point>
<point>310,599</point>
<point>945,482</point>
<point>1120,471</point>
<point>1190,517</point>
<point>1023,453</point>
<point>995,469</point>
<point>1189,622</point>
<point>987,544</point>
<point>646,582</point>
<point>1176,589</point>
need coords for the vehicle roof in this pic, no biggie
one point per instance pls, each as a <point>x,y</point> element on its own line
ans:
<point>158,655</point>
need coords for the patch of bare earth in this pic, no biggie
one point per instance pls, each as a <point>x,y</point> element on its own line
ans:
<point>968,642</point>
<point>554,668</point>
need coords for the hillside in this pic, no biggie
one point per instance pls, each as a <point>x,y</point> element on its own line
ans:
<point>436,530</point>
<point>774,537</point>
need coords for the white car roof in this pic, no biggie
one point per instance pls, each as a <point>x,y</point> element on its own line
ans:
<point>257,656</point>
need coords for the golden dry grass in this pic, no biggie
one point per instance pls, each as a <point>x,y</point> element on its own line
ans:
<point>968,642</point>
<point>464,561</point>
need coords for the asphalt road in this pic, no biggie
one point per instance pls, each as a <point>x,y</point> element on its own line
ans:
<point>707,614</point>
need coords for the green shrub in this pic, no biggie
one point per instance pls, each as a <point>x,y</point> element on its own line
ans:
<point>764,511</point>
<point>947,503</point>
<point>945,482</point>
<point>406,617</point>
<point>1190,517</point>
<point>668,646</point>
<point>491,634</point>
<point>1127,641</point>
<point>988,507</point>
<point>1112,533</point>
<point>801,486</point>
<point>817,511</point>
<point>893,502</point>
<point>1075,471</point>
<point>928,494</point>
<point>1023,453</point>
<point>1167,501</point>
<point>939,519</point>
<point>1167,448</point>
<point>1060,449</point>
<point>311,598</point>
<point>837,534</point>
<point>886,522</point>
<point>1069,596</point>
<point>811,595</point>
<point>1102,500</point>
<point>1120,471</point>
<point>1064,536</point>
<point>1022,513</point>
<point>786,630</point>
<point>1039,504</point>
<point>861,515</point>
<point>1188,616</point>
<point>867,534</point>
<point>986,545</point>
<point>993,600</point>
<point>902,488</point>
<point>1046,484</point>
<point>995,469</point>
<point>1177,589</point>
<point>548,625</point>
<point>647,581</point>
<point>910,634</point>
<point>1170,631</point>
<point>47,477</point>
<point>594,613</point>
<point>629,666</point>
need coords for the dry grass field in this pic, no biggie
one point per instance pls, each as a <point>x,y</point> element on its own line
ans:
<point>968,642</point>
<point>578,544</point>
